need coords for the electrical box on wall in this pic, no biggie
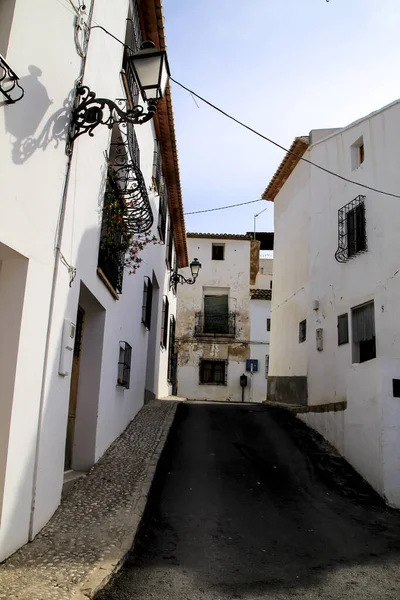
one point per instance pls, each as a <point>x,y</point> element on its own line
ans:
<point>67,347</point>
<point>320,339</point>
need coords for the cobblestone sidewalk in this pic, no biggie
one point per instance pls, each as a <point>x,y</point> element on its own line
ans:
<point>95,525</point>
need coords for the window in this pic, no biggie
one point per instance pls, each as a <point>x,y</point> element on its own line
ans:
<point>147,301</point>
<point>268,324</point>
<point>302,331</point>
<point>357,153</point>
<point>162,213</point>
<point>124,364</point>
<point>266,365</point>
<point>175,268</point>
<point>363,329</point>
<point>352,238</point>
<point>133,41</point>
<point>157,167</point>
<point>213,372</point>
<point>216,314</point>
<point>164,323</point>
<point>343,329</point>
<point>218,251</point>
<point>170,244</point>
<point>172,358</point>
<point>270,285</point>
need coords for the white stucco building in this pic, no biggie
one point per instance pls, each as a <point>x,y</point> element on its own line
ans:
<point>215,331</point>
<point>82,342</point>
<point>335,336</point>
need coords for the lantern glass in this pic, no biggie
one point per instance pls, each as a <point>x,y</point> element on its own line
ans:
<point>195,267</point>
<point>151,72</point>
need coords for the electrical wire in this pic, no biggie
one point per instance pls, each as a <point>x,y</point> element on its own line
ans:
<point>264,137</point>
<point>197,212</point>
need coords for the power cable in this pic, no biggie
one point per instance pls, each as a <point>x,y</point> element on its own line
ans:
<point>264,137</point>
<point>196,212</point>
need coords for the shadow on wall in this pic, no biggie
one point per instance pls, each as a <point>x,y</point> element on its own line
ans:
<point>23,118</point>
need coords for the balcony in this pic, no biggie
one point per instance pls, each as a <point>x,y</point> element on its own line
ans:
<point>9,85</point>
<point>215,325</point>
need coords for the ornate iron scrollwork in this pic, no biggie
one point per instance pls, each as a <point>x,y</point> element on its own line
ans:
<point>9,85</point>
<point>92,111</point>
<point>125,160</point>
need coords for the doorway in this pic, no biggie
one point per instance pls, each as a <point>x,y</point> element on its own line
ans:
<point>73,394</point>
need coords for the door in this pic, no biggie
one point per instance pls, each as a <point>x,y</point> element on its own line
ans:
<point>73,394</point>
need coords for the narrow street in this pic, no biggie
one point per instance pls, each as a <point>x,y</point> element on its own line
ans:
<point>248,503</point>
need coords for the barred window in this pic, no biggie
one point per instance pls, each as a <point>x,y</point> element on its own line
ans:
<point>147,302</point>
<point>213,372</point>
<point>162,214</point>
<point>170,244</point>
<point>352,237</point>
<point>171,373</point>
<point>268,324</point>
<point>164,323</point>
<point>124,364</point>
<point>343,329</point>
<point>302,331</point>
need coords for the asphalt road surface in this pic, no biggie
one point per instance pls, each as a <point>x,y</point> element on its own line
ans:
<point>248,503</point>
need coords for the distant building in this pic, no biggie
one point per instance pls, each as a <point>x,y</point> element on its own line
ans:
<point>219,317</point>
<point>335,332</point>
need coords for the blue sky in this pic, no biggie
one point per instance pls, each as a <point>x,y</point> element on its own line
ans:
<point>284,67</point>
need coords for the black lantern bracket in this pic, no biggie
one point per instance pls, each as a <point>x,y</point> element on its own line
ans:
<point>176,277</point>
<point>92,111</point>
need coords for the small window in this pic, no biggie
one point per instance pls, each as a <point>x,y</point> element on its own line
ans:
<point>213,372</point>
<point>302,331</point>
<point>164,323</point>
<point>270,285</point>
<point>357,152</point>
<point>266,365</point>
<point>268,324</point>
<point>170,244</point>
<point>363,329</point>
<point>162,213</point>
<point>218,251</point>
<point>343,329</point>
<point>172,356</point>
<point>147,302</point>
<point>124,364</point>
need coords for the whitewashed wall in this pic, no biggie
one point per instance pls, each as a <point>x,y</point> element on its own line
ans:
<point>368,433</point>
<point>232,273</point>
<point>35,167</point>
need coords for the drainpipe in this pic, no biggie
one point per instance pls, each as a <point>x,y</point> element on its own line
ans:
<point>57,257</point>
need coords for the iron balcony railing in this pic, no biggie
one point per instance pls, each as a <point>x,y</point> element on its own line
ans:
<point>9,83</point>
<point>215,324</point>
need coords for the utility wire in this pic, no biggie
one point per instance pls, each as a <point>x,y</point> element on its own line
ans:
<point>264,137</point>
<point>196,212</point>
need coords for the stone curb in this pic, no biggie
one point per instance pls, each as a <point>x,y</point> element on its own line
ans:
<point>105,569</point>
<point>316,408</point>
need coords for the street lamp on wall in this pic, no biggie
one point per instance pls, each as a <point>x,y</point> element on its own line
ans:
<point>151,72</point>
<point>176,277</point>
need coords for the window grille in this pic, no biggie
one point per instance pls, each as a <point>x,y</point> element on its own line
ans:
<point>352,238</point>
<point>133,39</point>
<point>363,330</point>
<point>170,244</point>
<point>302,331</point>
<point>172,357</point>
<point>162,214</point>
<point>266,365</point>
<point>164,323</point>
<point>157,167</point>
<point>343,329</point>
<point>213,372</point>
<point>147,302</point>
<point>124,364</point>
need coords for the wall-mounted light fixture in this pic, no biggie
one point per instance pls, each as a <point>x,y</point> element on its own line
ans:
<point>176,277</point>
<point>151,72</point>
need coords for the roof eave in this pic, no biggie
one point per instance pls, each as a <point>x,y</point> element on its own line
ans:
<point>287,166</point>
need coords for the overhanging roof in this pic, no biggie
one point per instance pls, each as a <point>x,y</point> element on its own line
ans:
<point>291,159</point>
<point>152,24</point>
<point>221,236</point>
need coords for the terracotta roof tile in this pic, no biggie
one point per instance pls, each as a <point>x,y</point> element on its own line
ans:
<point>220,236</point>
<point>286,167</point>
<point>259,294</point>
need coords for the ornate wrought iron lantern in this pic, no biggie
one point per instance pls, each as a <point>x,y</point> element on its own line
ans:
<point>176,277</point>
<point>151,71</point>
<point>9,83</point>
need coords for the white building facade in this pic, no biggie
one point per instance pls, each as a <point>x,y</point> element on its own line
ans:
<point>213,338</point>
<point>260,327</point>
<point>335,337</point>
<point>83,343</point>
